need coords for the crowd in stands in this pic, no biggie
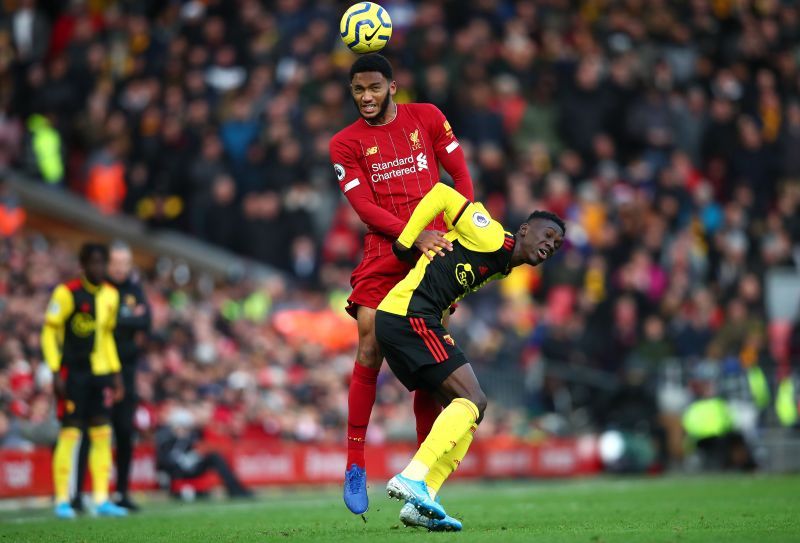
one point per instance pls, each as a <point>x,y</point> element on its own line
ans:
<point>666,133</point>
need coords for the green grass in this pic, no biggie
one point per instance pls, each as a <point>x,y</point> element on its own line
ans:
<point>758,509</point>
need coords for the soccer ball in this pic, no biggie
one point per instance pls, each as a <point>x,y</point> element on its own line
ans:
<point>365,27</point>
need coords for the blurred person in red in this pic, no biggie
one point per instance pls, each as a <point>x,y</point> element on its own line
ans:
<point>385,163</point>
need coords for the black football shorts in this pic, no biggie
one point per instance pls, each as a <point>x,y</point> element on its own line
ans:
<point>419,350</point>
<point>87,397</point>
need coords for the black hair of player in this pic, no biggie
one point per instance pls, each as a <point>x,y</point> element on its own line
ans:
<point>90,249</point>
<point>549,216</point>
<point>372,62</point>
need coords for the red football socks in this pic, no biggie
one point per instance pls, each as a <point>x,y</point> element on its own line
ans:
<point>426,409</point>
<point>360,400</point>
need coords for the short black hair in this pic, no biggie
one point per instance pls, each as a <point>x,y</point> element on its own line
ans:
<point>549,216</point>
<point>372,62</point>
<point>89,249</point>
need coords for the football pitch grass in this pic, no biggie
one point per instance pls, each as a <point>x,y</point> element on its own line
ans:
<point>749,509</point>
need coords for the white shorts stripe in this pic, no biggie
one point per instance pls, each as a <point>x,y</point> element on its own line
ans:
<point>351,184</point>
<point>452,146</point>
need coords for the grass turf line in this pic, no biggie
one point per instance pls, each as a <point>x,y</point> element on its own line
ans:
<point>759,509</point>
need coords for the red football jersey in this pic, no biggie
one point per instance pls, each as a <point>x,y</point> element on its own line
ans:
<point>385,170</point>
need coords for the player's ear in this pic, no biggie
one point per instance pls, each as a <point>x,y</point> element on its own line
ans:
<point>392,88</point>
<point>523,229</point>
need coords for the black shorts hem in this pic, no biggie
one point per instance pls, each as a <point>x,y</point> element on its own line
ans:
<point>419,350</point>
<point>431,377</point>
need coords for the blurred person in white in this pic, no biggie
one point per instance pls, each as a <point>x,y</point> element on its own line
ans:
<point>10,435</point>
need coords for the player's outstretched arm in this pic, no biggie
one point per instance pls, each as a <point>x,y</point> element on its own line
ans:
<point>440,199</point>
<point>449,153</point>
<point>354,184</point>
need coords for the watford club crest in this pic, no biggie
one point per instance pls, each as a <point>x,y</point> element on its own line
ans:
<point>414,138</point>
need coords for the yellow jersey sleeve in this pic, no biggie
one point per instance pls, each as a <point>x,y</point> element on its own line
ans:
<point>476,229</point>
<point>59,309</point>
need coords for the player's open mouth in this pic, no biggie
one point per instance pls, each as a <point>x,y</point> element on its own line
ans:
<point>543,253</point>
<point>370,108</point>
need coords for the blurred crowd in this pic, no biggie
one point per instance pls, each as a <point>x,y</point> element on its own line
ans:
<point>666,133</point>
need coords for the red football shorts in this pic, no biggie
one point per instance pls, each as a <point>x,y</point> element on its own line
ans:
<point>373,279</point>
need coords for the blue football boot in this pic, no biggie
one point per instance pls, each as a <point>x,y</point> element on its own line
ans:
<point>64,511</point>
<point>409,516</point>
<point>355,489</point>
<point>416,493</point>
<point>110,509</point>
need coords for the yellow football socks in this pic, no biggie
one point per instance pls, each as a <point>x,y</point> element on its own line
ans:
<point>100,461</point>
<point>448,463</point>
<point>450,426</point>
<point>63,459</point>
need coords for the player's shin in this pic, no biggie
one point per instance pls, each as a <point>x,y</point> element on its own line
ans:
<point>426,409</point>
<point>450,426</point>
<point>361,398</point>
<point>63,461</point>
<point>448,463</point>
<point>100,461</point>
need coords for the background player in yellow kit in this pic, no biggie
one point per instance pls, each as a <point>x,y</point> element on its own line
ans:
<point>78,345</point>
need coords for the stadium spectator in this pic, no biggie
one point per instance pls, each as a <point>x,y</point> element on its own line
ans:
<point>11,436</point>
<point>178,457</point>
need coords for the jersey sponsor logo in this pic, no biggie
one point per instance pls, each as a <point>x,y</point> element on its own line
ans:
<point>371,151</point>
<point>83,324</point>
<point>464,275</point>
<point>480,220</point>
<point>414,137</point>
<point>449,340</point>
<point>385,171</point>
<point>339,169</point>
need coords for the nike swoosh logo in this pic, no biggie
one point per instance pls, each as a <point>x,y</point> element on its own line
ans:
<point>368,37</point>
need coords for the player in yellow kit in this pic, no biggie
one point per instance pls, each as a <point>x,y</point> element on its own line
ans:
<point>78,345</point>
<point>421,352</point>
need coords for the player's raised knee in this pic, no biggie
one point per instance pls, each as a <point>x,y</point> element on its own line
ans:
<point>369,355</point>
<point>480,401</point>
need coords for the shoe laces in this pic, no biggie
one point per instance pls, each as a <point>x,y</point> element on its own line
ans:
<point>354,479</point>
